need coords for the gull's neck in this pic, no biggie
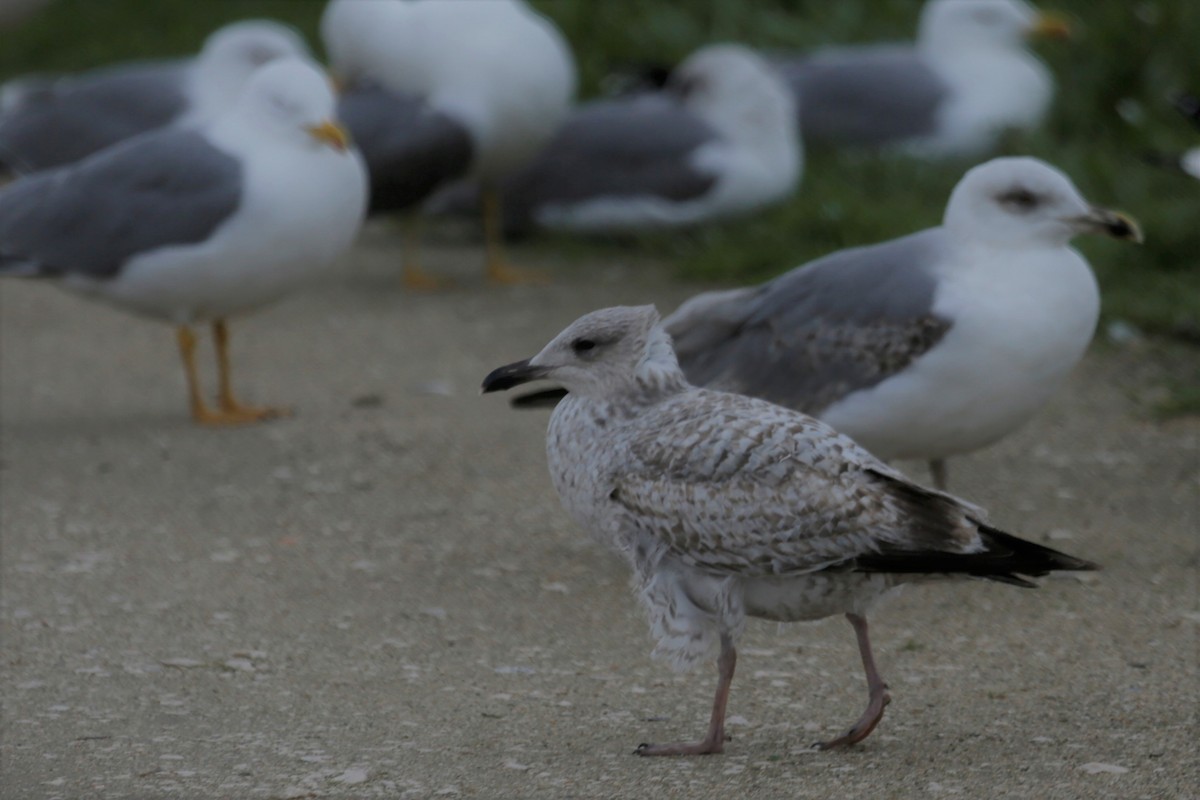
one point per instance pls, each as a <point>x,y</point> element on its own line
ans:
<point>658,375</point>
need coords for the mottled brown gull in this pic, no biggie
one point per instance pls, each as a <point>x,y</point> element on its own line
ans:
<point>727,506</point>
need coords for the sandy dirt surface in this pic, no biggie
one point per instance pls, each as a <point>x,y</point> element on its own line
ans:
<point>380,597</point>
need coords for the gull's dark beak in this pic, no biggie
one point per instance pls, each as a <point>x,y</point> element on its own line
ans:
<point>510,375</point>
<point>1110,223</point>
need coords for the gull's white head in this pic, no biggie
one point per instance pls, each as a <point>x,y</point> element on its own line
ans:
<point>292,100</point>
<point>731,88</point>
<point>235,52</point>
<point>1004,24</point>
<point>358,36</point>
<point>606,353</point>
<point>735,90</point>
<point>1024,202</point>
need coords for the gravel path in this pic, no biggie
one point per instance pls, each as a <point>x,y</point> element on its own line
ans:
<point>381,598</point>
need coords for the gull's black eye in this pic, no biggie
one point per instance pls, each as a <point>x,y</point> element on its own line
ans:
<point>583,345</point>
<point>1021,200</point>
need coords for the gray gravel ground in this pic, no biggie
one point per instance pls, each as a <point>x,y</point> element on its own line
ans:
<point>381,597</point>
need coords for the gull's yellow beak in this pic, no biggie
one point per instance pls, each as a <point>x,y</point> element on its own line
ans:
<point>330,133</point>
<point>1116,224</point>
<point>1051,25</point>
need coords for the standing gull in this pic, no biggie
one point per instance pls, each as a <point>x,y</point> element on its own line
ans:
<point>199,225</point>
<point>719,141</point>
<point>727,506</point>
<point>492,71</point>
<point>967,79</point>
<point>927,346</point>
<point>48,122</point>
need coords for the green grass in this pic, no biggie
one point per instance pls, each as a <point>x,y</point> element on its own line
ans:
<point>1127,56</point>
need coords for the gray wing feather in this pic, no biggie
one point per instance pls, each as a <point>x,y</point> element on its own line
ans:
<point>49,123</point>
<point>813,335</point>
<point>410,149</point>
<point>865,95</point>
<point>625,147</point>
<point>160,189</point>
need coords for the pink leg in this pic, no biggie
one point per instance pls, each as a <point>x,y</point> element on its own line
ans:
<point>879,697</point>
<point>714,741</point>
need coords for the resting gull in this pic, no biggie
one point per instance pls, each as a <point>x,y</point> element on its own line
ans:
<point>967,79</point>
<point>927,346</point>
<point>48,122</point>
<point>727,506</point>
<point>719,141</point>
<point>494,72</point>
<point>192,225</point>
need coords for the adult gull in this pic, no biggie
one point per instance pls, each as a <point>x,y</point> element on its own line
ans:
<point>492,72</point>
<point>195,225</point>
<point>927,346</point>
<point>48,122</point>
<point>729,507</point>
<point>967,79</point>
<point>719,141</point>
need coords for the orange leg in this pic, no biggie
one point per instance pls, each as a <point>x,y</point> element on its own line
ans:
<point>413,275</point>
<point>233,412</point>
<point>496,266</point>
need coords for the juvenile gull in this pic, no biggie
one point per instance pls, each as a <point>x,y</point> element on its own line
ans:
<point>719,141</point>
<point>48,122</point>
<point>967,79</point>
<point>727,506</point>
<point>198,225</point>
<point>927,346</point>
<point>494,71</point>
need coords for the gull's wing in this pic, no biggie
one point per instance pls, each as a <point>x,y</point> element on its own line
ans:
<point>733,485</point>
<point>410,148</point>
<point>164,188</point>
<point>640,146</point>
<point>813,335</point>
<point>870,95</point>
<point>50,122</point>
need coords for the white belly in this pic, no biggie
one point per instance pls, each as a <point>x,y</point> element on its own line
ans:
<point>1018,331</point>
<point>293,224</point>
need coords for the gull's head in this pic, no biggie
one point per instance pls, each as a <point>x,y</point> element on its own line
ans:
<point>355,34</point>
<point>235,52</point>
<point>949,24</point>
<point>292,100</point>
<point>601,354</point>
<point>736,91</point>
<point>1014,202</point>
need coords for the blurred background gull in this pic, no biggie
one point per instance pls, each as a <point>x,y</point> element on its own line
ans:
<point>1116,78</point>
<point>719,140</point>
<point>50,120</point>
